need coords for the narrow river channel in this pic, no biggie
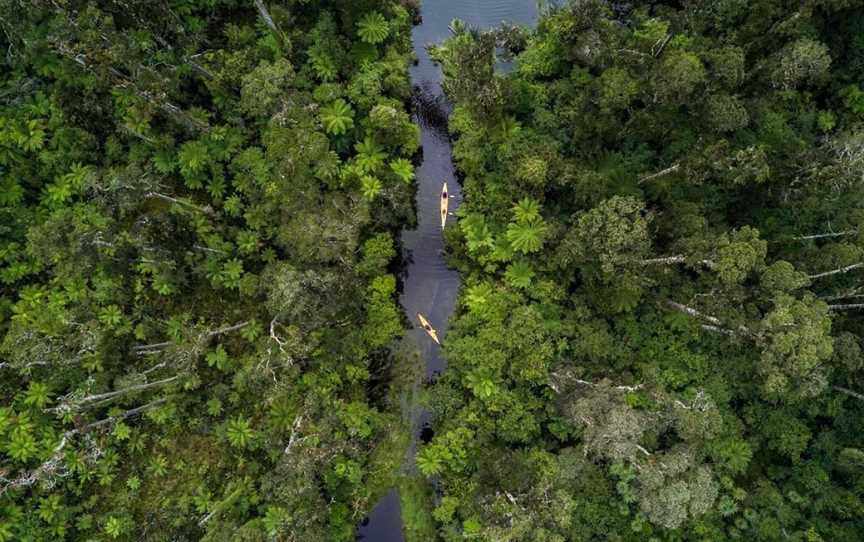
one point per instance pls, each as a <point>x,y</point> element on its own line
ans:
<point>429,286</point>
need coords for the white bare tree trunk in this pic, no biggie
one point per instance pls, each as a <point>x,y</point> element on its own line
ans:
<point>849,392</point>
<point>846,307</point>
<point>714,324</point>
<point>690,311</point>
<point>265,16</point>
<point>665,260</point>
<point>153,347</point>
<point>838,271</point>
<point>825,235</point>
<point>671,169</point>
<point>71,404</point>
<point>678,258</point>
<point>183,203</point>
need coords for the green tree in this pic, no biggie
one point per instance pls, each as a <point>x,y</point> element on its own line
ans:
<point>799,344</point>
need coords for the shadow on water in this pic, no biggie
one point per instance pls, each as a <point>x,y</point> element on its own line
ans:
<point>426,433</point>
<point>428,285</point>
<point>381,365</point>
<point>430,110</point>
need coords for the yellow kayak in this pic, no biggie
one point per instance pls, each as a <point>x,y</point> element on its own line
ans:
<point>428,328</point>
<point>444,201</point>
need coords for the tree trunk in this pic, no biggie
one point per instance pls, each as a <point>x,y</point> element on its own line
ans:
<point>222,505</point>
<point>205,210</point>
<point>228,329</point>
<point>838,271</point>
<point>846,294</point>
<point>690,311</point>
<point>125,415</point>
<point>716,329</point>
<point>154,347</point>
<point>294,429</point>
<point>849,392</point>
<point>678,258</point>
<point>824,235</point>
<point>671,169</point>
<point>656,51</point>
<point>122,81</point>
<point>101,397</point>
<point>846,307</point>
<point>715,325</point>
<point>265,16</point>
<point>637,387</point>
<point>664,260</point>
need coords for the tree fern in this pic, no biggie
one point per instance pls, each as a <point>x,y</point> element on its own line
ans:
<point>519,274</point>
<point>338,117</point>
<point>323,65</point>
<point>477,297</point>
<point>218,358</point>
<point>282,415</point>
<point>373,28</point>
<point>527,237</point>
<point>114,527</point>
<point>239,433</point>
<point>477,233</point>
<point>527,210</point>
<point>22,445</point>
<point>193,158</point>
<point>370,187</point>
<point>11,192</point>
<point>371,156</point>
<point>403,169</point>
<point>429,461</point>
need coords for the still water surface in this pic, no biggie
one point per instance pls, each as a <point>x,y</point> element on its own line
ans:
<point>429,287</point>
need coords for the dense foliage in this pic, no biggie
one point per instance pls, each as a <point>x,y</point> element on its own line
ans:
<point>197,207</point>
<point>662,244</point>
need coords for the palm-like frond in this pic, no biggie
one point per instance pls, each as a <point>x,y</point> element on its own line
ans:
<point>338,117</point>
<point>370,187</point>
<point>527,210</point>
<point>519,274</point>
<point>403,169</point>
<point>526,237</point>
<point>371,156</point>
<point>373,28</point>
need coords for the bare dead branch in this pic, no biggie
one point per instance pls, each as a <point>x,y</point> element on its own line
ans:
<point>849,392</point>
<point>671,169</point>
<point>846,307</point>
<point>824,235</point>
<point>182,203</point>
<point>838,271</point>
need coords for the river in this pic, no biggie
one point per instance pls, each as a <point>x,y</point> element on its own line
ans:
<point>429,286</point>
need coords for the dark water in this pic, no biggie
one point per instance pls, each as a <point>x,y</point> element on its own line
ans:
<point>429,286</point>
